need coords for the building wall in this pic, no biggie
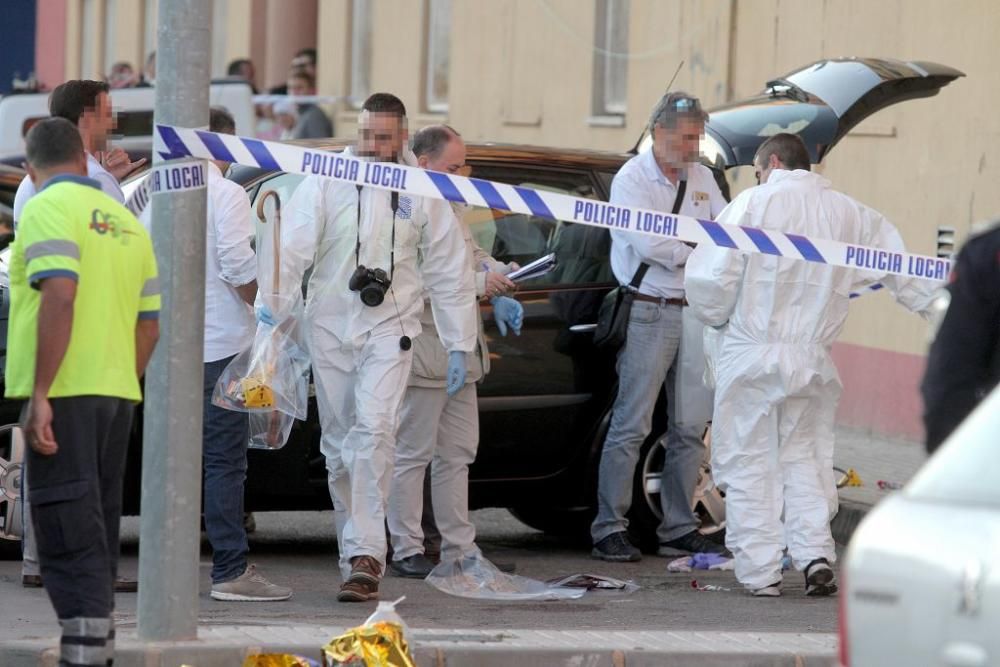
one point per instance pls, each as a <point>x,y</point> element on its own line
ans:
<point>523,71</point>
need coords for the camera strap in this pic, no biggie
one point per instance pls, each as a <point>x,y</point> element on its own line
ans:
<point>394,204</point>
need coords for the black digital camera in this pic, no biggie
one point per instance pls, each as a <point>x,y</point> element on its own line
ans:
<point>372,284</point>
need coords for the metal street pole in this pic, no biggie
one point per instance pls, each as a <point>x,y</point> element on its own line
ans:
<point>171,457</point>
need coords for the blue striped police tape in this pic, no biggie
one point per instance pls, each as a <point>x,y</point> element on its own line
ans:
<point>174,143</point>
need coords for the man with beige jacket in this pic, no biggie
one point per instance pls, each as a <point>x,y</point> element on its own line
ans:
<point>437,429</point>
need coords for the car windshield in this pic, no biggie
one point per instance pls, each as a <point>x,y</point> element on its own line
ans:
<point>966,469</point>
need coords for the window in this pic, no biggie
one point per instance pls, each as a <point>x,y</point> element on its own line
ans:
<point>361,51</point>
<point>438,55</point>
<point>610,57</point>
<point>582,251</point>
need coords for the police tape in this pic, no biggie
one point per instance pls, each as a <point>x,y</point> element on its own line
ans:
<point>167,177</point>
<point>176,142</point>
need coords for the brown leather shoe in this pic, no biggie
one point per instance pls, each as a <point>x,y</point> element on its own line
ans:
<point>31,580</point>
<point>362,585</point>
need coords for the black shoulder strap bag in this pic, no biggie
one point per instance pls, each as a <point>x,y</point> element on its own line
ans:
<point>612,319</point>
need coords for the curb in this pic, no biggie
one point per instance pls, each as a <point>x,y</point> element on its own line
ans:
<point>846,521</point>
<point>228,646</point>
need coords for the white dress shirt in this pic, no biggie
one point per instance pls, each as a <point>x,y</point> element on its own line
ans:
<point>229,263</point>
<point>109,184</point>
<point>641,183</point>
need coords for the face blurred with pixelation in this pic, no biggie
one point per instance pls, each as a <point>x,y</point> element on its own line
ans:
<point>679,144</point>
<point>451,160</point>
<point>381,135</point>
<point>99,121</point>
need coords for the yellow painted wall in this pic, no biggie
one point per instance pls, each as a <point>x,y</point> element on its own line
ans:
<point>522,71</point>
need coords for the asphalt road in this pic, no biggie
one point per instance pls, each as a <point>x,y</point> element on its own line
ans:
<point>298,549</point>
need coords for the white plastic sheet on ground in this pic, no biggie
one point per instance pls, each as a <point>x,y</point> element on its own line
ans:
<point>476,577</point>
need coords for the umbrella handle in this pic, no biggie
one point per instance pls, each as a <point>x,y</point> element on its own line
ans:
<point>276,284</point>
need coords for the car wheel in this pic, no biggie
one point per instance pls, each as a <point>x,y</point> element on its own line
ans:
<point>646,513</point>
<point>11,467</point>
<point>559,522</point>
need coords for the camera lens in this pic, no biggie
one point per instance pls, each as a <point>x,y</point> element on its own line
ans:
<point>372,294</point>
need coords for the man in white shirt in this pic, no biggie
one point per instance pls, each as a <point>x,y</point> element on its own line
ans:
<point>87,105</point>
<point>230,291</point>
<point>653,180</point>
<point>373,254</point>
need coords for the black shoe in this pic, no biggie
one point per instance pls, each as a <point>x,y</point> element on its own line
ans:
<point>31,580</point>
<point>820,579</point>
<point>617,549</point>
<point>505,567</point>
<point>415,567</point>
<point>693,543</point>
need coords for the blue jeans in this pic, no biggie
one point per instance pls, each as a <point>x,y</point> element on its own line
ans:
<point>644,364</point>
<point>225,436</point>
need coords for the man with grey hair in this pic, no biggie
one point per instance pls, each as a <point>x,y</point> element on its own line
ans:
<point>667,178</point>
<point>436,429</point>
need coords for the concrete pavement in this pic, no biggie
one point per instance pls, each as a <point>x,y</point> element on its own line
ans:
<point>666,618</point>
<point>874,458</point>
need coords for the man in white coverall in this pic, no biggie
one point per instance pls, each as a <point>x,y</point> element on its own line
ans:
<point>361,353</point>
<point>776,386</point>
<point>437,428</point>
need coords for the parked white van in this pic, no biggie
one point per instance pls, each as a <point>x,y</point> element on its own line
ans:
<point>134,109</point>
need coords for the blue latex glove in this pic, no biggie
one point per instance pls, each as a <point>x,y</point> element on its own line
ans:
<point>264,315</point>
<point>507,312</point>
<point>705,561</point>
<point>456,372</point>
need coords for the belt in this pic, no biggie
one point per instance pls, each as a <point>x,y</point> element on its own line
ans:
<point>662,301</point>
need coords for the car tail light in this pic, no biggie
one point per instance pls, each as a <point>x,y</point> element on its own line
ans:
<point>845,651</point>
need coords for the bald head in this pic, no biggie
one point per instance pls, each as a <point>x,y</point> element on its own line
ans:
<point>439,148</point>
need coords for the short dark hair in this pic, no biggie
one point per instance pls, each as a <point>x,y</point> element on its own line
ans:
<point>675,105</point>
<point>52,142</point>
<point>235,66</point>
<point>788,148</point>
<point>302,73</point>
<point>309,53</point>
<point>431,140</point>
<point>71,99</point>
<point>220,120</point>
<point>384,103</point>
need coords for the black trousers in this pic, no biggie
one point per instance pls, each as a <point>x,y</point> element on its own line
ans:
<point>76,497</point>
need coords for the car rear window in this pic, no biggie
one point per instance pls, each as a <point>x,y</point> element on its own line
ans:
<point>967,467</point>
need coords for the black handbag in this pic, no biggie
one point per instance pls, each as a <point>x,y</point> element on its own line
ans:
<point>612,318</point>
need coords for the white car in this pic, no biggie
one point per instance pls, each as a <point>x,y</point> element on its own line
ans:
<point>921,581</point>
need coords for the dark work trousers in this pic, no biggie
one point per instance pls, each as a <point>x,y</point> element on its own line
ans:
<point>76,502</point>
<point>225,437</point>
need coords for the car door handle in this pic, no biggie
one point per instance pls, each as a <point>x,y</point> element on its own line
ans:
<point>583,328</point>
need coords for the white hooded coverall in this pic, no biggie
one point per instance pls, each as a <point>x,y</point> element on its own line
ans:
<point>776,386</point>
<point>358,366</point>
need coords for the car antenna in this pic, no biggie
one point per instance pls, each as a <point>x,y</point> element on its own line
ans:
<point>642,135</point>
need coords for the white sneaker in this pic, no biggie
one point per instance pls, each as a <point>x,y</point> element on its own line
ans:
<point>250,587</point>
<point>771,591</point>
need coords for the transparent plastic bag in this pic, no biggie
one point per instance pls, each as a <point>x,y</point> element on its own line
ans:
<point>270,430</point>
<point>273,374</point>
<point>694,400</point>
<point>476,577</point>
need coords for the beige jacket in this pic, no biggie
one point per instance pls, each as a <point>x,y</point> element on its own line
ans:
<point>430,359</point>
